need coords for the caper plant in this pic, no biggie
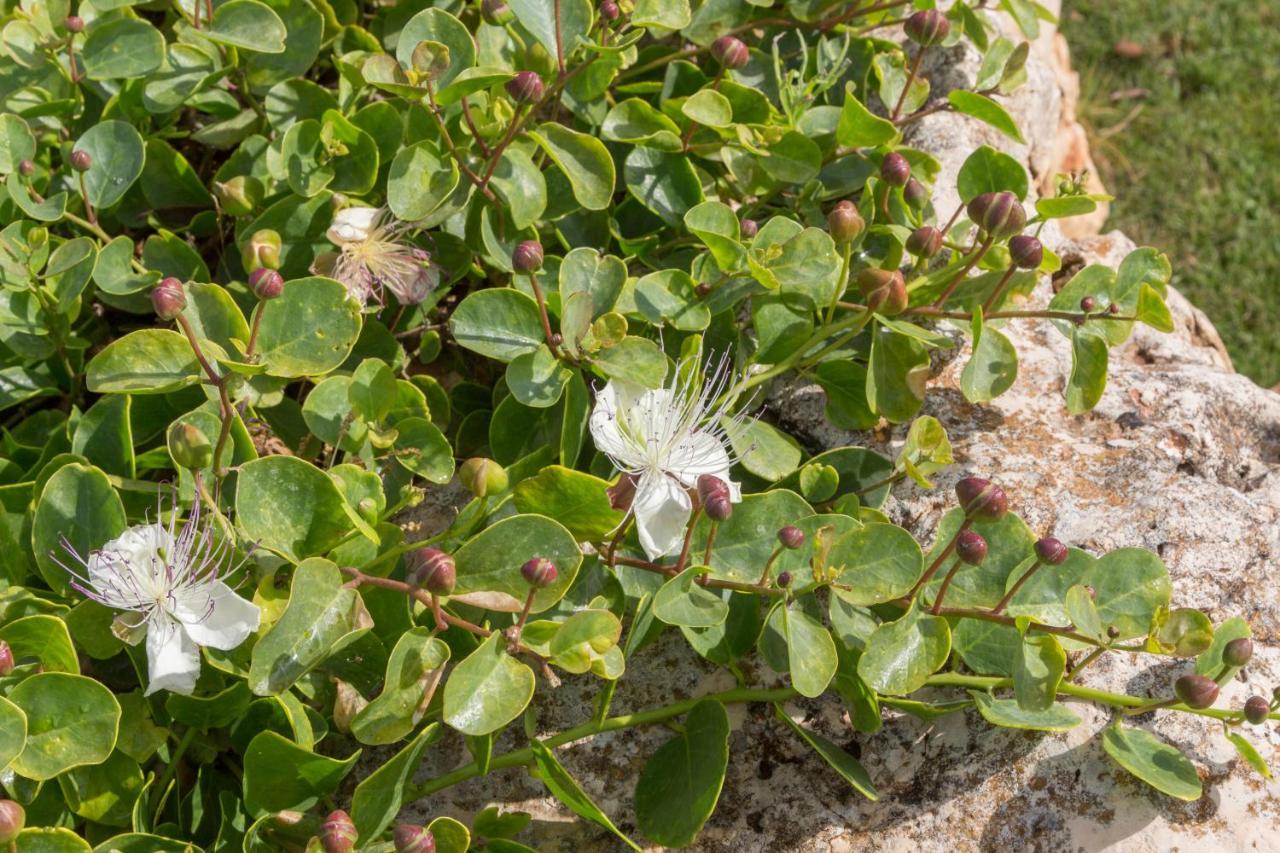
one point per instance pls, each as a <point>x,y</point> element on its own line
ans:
<point>274,271</point>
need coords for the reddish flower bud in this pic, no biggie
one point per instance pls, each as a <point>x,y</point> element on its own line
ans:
<point>703,288</point>
<point>1196,691</point>
<point>432,570</point>
<point>715,496</point>
<point>12,819</point>
<point>527,257</point>
<point>730,52</point>
<point>266,283</point>
<point>609,10</point>
<point>1256,710</point>
<point>338,833</point>
<point>26,168</point>
<point>749,228</point>
<point>622,493</point>
<point>6,658</point>
<point>74,24</point>
<point>791,537</point>
<point>1051,551</point>
<point>999,214</point>
<point>526,87</point>
<point>1237,652</point>
<point>539,572</point>
<point>884,290</point>
<point>168,298</point>
<point>927,27</point>
<point>1088,303</point>
<point>915,194</point>
<point>80,160</point>
<point>981,498</point>
<point>496,12</point>
<point>844,223</point>
<point>1026,251</point>
<point>784,579</point>
<point>1113,308</point>
<point>925,242</point>
<point>971,547</point>
<point>413,839</point>
<point>895,170</point>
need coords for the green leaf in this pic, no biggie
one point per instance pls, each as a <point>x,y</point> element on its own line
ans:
<point>680,784</point>
<point>1249,753</point>
<point>1152,310</point>
<point>682,601</point>
<point>896,375</point>
<point>309,329</point>
<point>1153,761</point>
<point>845,385</point>
<point>413,670</point>
<point>582,158</point>
<point>51,209</point>
<point>1209,662</point>
<point>558,25</point>
<point>487,689</point>
<point>858,127</point>
<point>537,378</point>
<point>876,562</point>
<point>77,503</point>
<point>17,143</point>
<point>437,25</point>
<point>993,366</point>
<point>811,653</point>
<point>1037,671</point>
<point>321,617</point>
<point>901,655</point>
<point>744,542</point>
<point>118,155</point>
<point>422,448</point>
<point>500,323</point>
<point>842,762</point>
<point>1083,613</point>
<point>210,712</point>
<point>247,24</point>
<point>636,360</point>
<point>989,170</point>
<point>639,123</point>
<point>985,110</point>
<point>378,797</point>
<point>1009,541</point>
<point>490,562</point>
<point>279,775</point>
<point>1009,714</point>
<point>567,790</point>
<point>576,500</point>
<point>709,108</point>
<point>520,184</point>
<point>44,637</point>
<point>716,225</point>
<point>1130,585</point>
<point>50,840</point>
<point>420,180</point>
<point>13,731</point>
<point>104,793</point>
<point>1088,371</point>
<point>664,183</point>
<point>794,159</point>
<point>290,506</point>
<point>763,449</point>
<point>71,721</point>
<point>661,15</point>
<point>121,48</point>
<point>147,361</point>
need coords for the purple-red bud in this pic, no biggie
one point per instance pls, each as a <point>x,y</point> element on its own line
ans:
<point>1256,710</point>
<point>844,223</point>
<point>981,498</point>
<point>1051,551</point>
<point>168,298</point>
<point>791,537</point>
<point>1196,691</point>
<point>1026,251</point>
<point>6,658</point>
<point>527,257</point>
<point>999,214</point>
<point>895,170</point>
<point>266,283</point>
<point>749,228</point>
<point>26,168</point>
<point>714,494</point>
<point>784,579</point>
<point>971,547</point>
<point>1113,308</point>
<point>915,194</point>
<point>925,242</point>
<point>609,10</point>
<point>80,160</point>
<point>526,87</point>
<point>12,819</point>
<point>927,27</point>
<point>413,839</point>
<point>1237,652</point>
<point>74,24</point>
<point>338,833</point>
<point>1088,303</point>
<point>539,572</point>
<point>496,12</point>
<point>432,570</point>
<point>885,291</point>
<point>730,52</point>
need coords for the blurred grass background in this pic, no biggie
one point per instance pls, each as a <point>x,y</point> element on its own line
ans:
<point>1181,99</point>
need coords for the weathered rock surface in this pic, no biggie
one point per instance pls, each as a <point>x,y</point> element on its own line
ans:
<point>1182,456</point>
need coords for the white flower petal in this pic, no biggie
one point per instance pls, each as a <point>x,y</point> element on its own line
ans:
<point>700,453</point>
<point>173,660</point>
<point>662,509</point>
<point>215,616</point>
<point>353,224</point>
<point>123,571</point>
<point>604,426</point>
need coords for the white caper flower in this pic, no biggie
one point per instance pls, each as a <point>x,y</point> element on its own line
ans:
<point>372,256</point>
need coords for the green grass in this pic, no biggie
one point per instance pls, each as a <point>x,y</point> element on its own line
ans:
<point>1187,137</point>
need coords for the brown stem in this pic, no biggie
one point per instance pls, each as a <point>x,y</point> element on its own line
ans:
<point>712,583</point>
<point>960,277</point>
<point>933,567</point>
<point>688,540</point>
<point>946,585</point>
<point>224,400</point>
<point>999,289</point>
<point>542,312</point>
<point>711,538</point>
<point>939,107</point>
<point>88,205</point>
<point>434,109</point>
<point>1013,590</point>
<point>475,134</point>
<point>764,576</point>
<point>253,333</point>
<point>524,617</point>
<point>1073,316</point>
<point>911,78</point>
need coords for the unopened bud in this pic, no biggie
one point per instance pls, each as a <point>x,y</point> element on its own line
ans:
<point>526,87</point>
<point>622,493</point>
<point>80,160</point>
<point>999,214</point>
<point>784,579</point>
<point>483,476</point>
<point>74,24</point>
<point>1088,303</point>
<point>844,223</point>
<point>413,839</point>
<point>885,291</point>
<point>925,242</point>
<point>927,27</point>
<point>609,10</point>
<point>791,537</point>
<point>190,447</point>
<point>168,298</point>
<point>338,833</point>
<point>527,257</point>
<point>266,283</point>
<point>496,12</point>
<point>981,498</point>
<point>730,52</point>
<point>895,170</point>
<point>971,547</point>
<point>12,819</point>
<point>1051,551</point>
<point>1196,691</point>
<point>1113,308</point>
<point>539,572</point>
<point>432,570</point>
<point>26,168</point>
<point>238,196</point>
<point>748,228</point>
<point>1237,652</point>
<point>6,658</point>
<point>1256,710</point>
<point>262,250</point>
<point>1112,631</point>
<point>703,289</point>
<point>1026,251</point>
<point>715,497</point>
<point>915,194</point>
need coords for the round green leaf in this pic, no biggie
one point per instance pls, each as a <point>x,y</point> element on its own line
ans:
<point>665,183</point>
<point>877,563</point>
<point>1153,761</point>
<point>439,26</point>
<point>422,448</point>
<point>71,721</point>
<point>118,155</point>
<point>901,655</point>
<point>310,329</point>
<point>680,784</point>
<point>279,774</point>
<point>413,669</point>
<point>681,601</point>
<point>487,689</point>
<point>148,361</point>
<point>77,503</point>
<point>290,506</point>
<point>13,731</point>
<point>17,143</point>
<point>247,24</point>
<point>583,159</point>
<point>491,561</point>
<point>500,323</point>
<point>1007,713</point>
<point>421,179</point>
<point>121,48</point>
<point>104,793</point>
